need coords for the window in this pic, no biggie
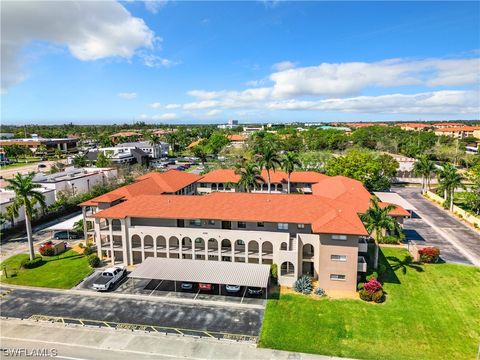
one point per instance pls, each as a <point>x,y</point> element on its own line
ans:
<point>242,224</point>
<point>282,226</point>
<point>260,224</point>
<point>300,226</point>
<point>220,186</point>
<point>240,242</point>
<point>338,257</point>
<point>339,237</point>
<point>337,277</point>
<point>196,222</point>
<point>211,222</point>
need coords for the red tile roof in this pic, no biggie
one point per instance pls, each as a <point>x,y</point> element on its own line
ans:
<point>397,211</point>
<point>325,215</point>
<point>448,124</point>
<point>414,125</point>
<point>154,183</point>
<point>125,134</point>
<point>193,144</point>
<point>459,128</point>
<point>236,137</point>
<point>276,177</point>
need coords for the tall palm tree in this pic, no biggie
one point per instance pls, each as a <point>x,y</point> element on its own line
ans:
<point>153,139</point>
<point>269,160</point>
<point>449,179</point>
<point>377,219</point>
<point>425,168</point>
<point>249,175</point>
<point>289,161</point>
<point>26,195</point>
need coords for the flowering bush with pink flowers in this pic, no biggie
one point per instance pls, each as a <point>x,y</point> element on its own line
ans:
<point>372,291</point>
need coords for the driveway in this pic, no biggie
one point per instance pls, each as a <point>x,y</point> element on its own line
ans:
<point>434,226</point>
<point>24,303</point>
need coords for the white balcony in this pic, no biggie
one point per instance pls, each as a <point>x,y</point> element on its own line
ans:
<point>362,264</point>
<point>362,245</point>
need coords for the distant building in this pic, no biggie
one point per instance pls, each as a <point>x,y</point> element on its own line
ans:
<point>236,140</point>
<point>129,135</point>
<point>247,130</point>
<point>153,151</point>
<point>413,126</point>
<point>7,198</point>
<point>6,135</point>
<point>230,125</point>
<point>444,125</point>
<point>52,144</point>
<point>75,180</point>
<point>460,132</point>
<point>120,155</point>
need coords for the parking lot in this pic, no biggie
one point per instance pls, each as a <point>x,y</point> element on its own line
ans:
<point>167,289</point>
<point>139,313</point>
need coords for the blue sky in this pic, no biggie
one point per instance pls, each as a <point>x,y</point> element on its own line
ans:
<point>202,62</point>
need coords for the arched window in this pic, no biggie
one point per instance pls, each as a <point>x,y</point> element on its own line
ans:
<point>161,242</point>
<point>136,241</point>
<point>308,251</point>
<point>267,247</point>
<point>148,241</point>
<point>253,247</point>
<point>287,269</point>
<point>199,244</point>
<point>283,246</point>
<point>173,243</point>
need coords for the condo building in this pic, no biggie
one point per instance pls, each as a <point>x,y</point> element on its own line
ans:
<point>179,215</point>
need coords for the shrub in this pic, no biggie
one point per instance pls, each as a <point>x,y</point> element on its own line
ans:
<point>47,249</point>
<point>274,271</point>
<point>360,286</point>
<point>390,240</point>
<point>372,286</point>
<point>373,275</point>
<point>365,295</point>
<point>94,260</point>
<point>31,264</point>
<point>303,285</point>
<point>429,254</point>
<point>81,245</point>
<point>88,251</point>
<point>378,296</point>
<point>319,291</point>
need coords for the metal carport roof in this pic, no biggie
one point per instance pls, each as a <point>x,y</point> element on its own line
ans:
<point>202,271</point>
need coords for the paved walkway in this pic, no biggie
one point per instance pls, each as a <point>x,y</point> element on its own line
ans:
<point>73,342</point>
<point>435,226</point>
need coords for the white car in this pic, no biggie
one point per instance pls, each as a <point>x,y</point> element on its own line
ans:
<point>109,278</point>
<point>232,288</point>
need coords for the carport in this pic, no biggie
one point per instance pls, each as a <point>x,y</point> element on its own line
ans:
<point>202,271</point>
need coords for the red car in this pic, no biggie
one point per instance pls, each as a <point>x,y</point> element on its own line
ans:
<point>206,287</point>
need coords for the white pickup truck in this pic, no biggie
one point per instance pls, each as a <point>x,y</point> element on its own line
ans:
<point>109,277</point>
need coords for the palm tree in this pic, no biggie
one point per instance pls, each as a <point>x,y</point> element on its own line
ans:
<point>26,195</point>
<point>289,162</point>
<point>269,160</point>
<point>449,179</point>
<point>80,160</point>
<point>154,139</point>
<point>377,219</point>
<point>11,212</point>
<point>249,175</point>
<point>425,168</point>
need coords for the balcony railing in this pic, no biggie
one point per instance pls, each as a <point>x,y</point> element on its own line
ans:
<point>362,264</point>
<point>362,245</point>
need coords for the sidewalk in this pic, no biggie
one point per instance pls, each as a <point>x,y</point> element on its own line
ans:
<point>104,343</point>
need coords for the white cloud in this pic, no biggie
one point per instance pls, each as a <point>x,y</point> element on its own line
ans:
<point>213,113</point>
<point>284,65</point>
<point>165,116</point>
<point>128,95</point>
<point>152,60</point>
<point>437,102</point>
<point>154,6</point>
<point>90,30</point>
<point>343,79</point>
<point>157,105</point>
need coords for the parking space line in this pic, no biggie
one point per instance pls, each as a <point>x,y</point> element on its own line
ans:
<point>244,292</point>
<point>155,328</point>
<point>198,292</point>
<point>156,287</point>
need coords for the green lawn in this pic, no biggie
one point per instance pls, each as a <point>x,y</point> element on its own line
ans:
<point>63,271</point>
<point>433,313</point>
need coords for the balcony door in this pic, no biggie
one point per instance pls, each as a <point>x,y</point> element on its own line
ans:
<point>226,224</point>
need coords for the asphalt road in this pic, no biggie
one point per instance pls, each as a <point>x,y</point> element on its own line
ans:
<point>434,226</point>
<point>23,303</point>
